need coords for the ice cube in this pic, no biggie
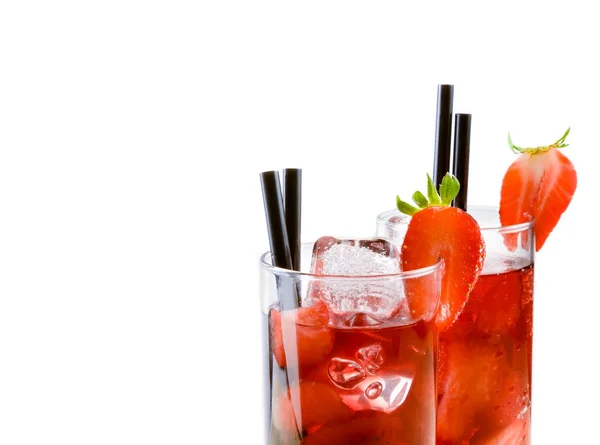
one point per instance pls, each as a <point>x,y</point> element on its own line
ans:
<point>358,302</point>
<point>393,227</point>
<point>385,392</point>
<point>367,384</point>
<point>363,257</point>
<point>346,374</point>
<point>374,390</point>
<point>371,357</point>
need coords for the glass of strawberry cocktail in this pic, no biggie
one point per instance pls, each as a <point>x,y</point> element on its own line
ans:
<point>484,371</point>
<point>486,305</point>
<point>355,361</point>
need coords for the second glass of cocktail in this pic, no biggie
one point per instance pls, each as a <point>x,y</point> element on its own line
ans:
<point>485,356</point>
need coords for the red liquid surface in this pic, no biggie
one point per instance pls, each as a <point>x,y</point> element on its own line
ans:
<point>359,385</point>
<point>484,388</point>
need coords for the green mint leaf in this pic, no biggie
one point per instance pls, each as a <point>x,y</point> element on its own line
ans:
<point>405,207</point>
<point>432,194</point>
<point>449,189</point>
<point>420,200</point>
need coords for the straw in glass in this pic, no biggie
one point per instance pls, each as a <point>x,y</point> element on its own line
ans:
<point>443,133</point>
<point>460,161</point>
<point>292,199</point>
<point>278,236</point>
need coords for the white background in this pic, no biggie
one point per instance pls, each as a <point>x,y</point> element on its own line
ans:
<point>131,139</point>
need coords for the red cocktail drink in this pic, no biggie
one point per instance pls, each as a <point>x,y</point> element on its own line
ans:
<point>484,391</point>
<point>353,364</point>
<point>485,356</point>
<point>375,385</point>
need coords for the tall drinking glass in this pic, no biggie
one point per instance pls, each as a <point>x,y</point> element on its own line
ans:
<point>355,363</point>
<point>484,370</point>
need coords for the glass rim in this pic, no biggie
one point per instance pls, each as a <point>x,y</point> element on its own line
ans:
<point>401,275</point>
<point>512,228</point>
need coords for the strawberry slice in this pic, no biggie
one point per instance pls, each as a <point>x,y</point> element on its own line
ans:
<point>514,434</point>
<point>540,185</point>
<point>463,387</point>
<point>309,406</point>
<point>439,232</point>
<point>314,339</point>
<point>481,387</point>
<point>467,387</point>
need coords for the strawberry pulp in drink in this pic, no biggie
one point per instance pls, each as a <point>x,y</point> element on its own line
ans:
<point>346,381</point>
<point>484,388</point>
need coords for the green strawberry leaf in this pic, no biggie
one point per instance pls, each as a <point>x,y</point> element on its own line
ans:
<point>405,207</point>
<point>432,194</point>
<point>560,143</point>
<point>449,189</point>
<point>420,199</point>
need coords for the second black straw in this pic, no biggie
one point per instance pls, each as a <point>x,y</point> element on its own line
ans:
<point>460,160</point>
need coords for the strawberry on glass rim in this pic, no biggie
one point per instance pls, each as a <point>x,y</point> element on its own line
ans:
<point>538,185</point>
<point>437,232</point>
<point>314,339</point>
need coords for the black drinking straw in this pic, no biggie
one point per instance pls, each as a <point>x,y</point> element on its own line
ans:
<point>460,163</point>
<point>280,253</point>
<point>278,237</point>
<point>292,200</point>
<point>443,132</point>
